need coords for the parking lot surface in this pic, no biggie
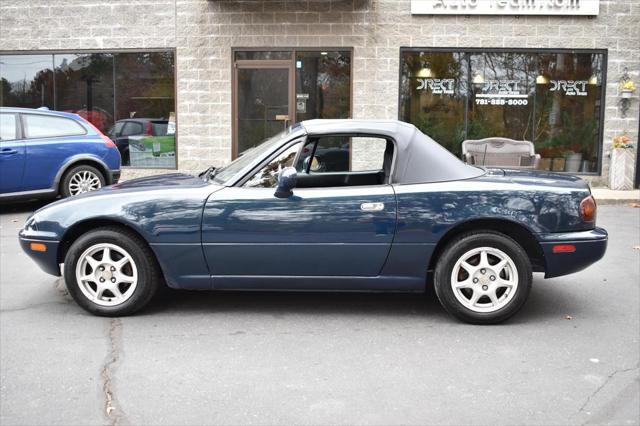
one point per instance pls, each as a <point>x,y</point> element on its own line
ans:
<point>569,357</point>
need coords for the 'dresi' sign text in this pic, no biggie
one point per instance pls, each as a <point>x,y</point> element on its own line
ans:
<point>505,7</point>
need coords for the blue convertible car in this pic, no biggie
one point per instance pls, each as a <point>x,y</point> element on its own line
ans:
<point>339,205</point>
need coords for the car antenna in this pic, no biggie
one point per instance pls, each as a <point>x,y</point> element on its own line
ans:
<point>484,156</point>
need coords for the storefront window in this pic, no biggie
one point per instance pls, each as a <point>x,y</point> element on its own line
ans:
<point>27,81</point>
<point>84,85</point>
<point>568,110</point>
<point>553,100</point>
<point>146,106</point>
<point>434,91</point>
<point>128,96</point>
<point>502,95</point>
<point>322,85</point>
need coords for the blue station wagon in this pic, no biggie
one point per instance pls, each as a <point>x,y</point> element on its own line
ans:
<point>328,205</point>
<point>48,153</point>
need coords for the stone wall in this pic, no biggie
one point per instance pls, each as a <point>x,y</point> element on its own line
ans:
<point>204,31</point>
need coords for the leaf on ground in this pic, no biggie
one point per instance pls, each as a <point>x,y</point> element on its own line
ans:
<point>568,317</point>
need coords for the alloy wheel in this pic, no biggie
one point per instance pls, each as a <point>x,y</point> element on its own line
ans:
<point>107,274</point>
<point>84,181</point>
<point>484,279</point>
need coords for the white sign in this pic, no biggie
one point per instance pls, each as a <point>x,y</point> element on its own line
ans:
<point>436,85</point>
<point>505,7</point>
<point>501,92</point>
<point>569,87</point>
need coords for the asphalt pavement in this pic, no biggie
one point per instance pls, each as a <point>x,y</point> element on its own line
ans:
<point>571,356</point>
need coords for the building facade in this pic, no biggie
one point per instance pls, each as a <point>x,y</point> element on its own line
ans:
<point>217,76</point>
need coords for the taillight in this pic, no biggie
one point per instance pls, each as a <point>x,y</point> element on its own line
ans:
<point>588,209</point>
<point>564,248</point>
<point>149,131</point>
<point>107,141</point>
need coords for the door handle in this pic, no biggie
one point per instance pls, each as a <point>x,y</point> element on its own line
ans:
<point>8,151</point>
<point>372,207</point>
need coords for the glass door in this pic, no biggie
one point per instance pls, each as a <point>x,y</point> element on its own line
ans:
<point>263,93</point>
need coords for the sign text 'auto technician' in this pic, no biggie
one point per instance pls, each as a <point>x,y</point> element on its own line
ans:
<point>505,7</point>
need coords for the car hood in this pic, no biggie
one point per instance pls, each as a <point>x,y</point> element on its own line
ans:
<point>167,180</point>
<point>149,186</point>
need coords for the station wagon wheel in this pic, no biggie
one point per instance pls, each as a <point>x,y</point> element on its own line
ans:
<point>107,274</point>
<point>483,277</point>
<point>84,181</point>
<point>111,271</point>
<point>80,179</point>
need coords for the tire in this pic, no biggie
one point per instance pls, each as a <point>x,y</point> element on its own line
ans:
<point>79,179</point>
<point>136,278</point>
<point>485,293</point>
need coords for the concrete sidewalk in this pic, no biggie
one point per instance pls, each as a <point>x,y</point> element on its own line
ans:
<point>609,196</point>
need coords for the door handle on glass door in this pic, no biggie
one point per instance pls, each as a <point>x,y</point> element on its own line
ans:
<point>372,207</point>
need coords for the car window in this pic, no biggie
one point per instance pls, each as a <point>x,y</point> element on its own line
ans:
<point>246,158</point>
<point>267,176</point>
<point>344,154</point>
<point>8,127</point>
<point>116,130</point>
<point>45,126</point>
<point>131,128</point>
<point>159,128</point>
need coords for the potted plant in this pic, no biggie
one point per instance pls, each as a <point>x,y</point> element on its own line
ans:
<point>621,170</point>
<point>627,88</point>
<point>573,161</point>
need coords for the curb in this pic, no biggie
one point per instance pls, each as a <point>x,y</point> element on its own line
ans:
<point>615,201</point>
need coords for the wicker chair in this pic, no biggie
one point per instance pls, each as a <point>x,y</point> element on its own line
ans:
<point>502,152</point>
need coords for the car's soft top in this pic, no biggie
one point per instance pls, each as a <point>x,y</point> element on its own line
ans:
<point>418,157</point>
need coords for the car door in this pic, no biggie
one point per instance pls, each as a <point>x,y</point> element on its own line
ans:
<point>343,231</point>
<point>49,141</point>
<point>12,154</point>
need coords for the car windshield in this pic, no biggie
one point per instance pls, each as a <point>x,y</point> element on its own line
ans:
<point>247,157</point>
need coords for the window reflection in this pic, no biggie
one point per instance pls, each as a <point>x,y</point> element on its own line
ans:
<point>267,177</point>
<point>27,81</point>
<point>433,91</point>
<point>323,85</point>
<point>84,85</point>
<point>552,100</point>
<point>128,96</point>
<point>568,103</point>
<point>145,106</point>
<point>502,96</point>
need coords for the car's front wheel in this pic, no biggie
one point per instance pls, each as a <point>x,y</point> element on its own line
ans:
<point>483,277</point>
<point>111,272</point>
<point>82,178</point>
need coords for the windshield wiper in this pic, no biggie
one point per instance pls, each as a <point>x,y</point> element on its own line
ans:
<point>208,174</point>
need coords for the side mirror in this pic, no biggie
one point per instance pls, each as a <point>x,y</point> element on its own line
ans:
<point>287,180</point>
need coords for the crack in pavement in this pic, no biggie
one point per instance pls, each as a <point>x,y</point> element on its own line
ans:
<point>34,306</point>
<point>59,286</point>
<point>607,380</point>
<point>115,414</point>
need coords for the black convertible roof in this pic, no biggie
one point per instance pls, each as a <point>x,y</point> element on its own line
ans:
<point>418,158</point>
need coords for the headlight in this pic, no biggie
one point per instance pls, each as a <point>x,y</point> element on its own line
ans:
<point>30,224</point>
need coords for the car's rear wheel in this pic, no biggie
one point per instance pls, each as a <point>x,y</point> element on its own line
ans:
<point>82,178</point>
<point>111,272</point>
<point>483,277</point>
